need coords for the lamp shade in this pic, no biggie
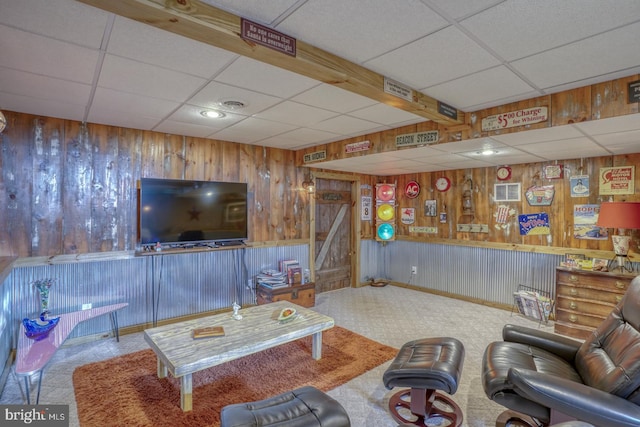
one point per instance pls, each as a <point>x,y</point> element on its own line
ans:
<point>619,215</point>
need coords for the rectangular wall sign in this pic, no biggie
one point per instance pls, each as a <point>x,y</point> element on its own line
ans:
<point>398,89</point>
<point>357,146</point>
<point>634,91</point>
<point>617,180</point>
<point>447,110</point>
<point>267,37</point>
<point>315,156</point>
<point>418,138</point>
<point>515,118</point>
<point>429,230</point>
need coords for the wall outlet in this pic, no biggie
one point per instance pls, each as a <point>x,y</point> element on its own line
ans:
<point>414,269</point>
<point>86,306</point>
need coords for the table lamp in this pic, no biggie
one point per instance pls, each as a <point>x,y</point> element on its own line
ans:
<point>623,216</point>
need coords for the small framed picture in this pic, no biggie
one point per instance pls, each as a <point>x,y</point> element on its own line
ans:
<point>553,171</point>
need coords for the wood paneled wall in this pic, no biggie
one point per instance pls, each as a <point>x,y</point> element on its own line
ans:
<point>69,188</point>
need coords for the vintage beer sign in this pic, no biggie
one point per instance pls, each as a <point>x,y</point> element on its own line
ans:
<point>418,138</point>
<point>617,180</point>
<point>515,118</point>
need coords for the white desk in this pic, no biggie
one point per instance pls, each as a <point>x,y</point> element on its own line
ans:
<point>259,329</point>
<point>32,356</point>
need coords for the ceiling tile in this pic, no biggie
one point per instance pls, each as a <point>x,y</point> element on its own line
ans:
<point>106,100</point>
<point>214,94</point>
<point>264,78</point>
<point>538,135</point>
<point>143,79</point>
<point>48,108</point>
<point>524,28</point>
<point>43,87</point>
<point>333,98</point>
<point>346,125</point>
<point>620,142</point>
<point>484,86</point>
<point>64,20</point>
<point>46,56</point>
<point>574,148</point>
<point>301,137</point>
<point>295,114</point>
<point>614,124</point>
<point>461,9</point>
<point>588,58</point>
<point>350,30</point>
<point>192,114</point>
<point>386,115</point>
<point>425,63</point>
<point>261,12</point>
<point>144,43</point>
<point>251,130</point>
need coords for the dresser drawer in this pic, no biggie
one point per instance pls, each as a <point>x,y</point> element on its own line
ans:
<point>569,317</point>
<point>608,283</point>
<point>570,291</point>
<point>573,331</point>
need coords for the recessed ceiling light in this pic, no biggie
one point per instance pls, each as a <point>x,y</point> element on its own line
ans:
<point>487,152</point>
<point>212,114</point>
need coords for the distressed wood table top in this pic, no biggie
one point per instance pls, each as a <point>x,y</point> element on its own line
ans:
<point>259,329</point>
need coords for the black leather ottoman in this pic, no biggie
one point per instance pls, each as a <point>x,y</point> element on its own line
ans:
<point>426,365</point>
<point>303,407</point>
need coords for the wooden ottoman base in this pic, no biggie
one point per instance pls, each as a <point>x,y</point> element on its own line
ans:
<point>416,406</point>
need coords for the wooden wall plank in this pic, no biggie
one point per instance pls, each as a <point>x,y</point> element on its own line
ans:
<point>129,173</point>
<point>77,189</point>
<point>47,161</point>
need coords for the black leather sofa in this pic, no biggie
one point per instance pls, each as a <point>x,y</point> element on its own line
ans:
<point>544,375</point>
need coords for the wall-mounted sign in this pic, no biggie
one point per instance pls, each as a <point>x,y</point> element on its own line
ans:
<point>553,171</point>
<point>412,189</point>
<point>584,223</point>
<point>534,224</point>
<point>540,195</point>
<point>418,138</point>
<point>579,185</point>
<point>634,91</point>
<point>408,215</point>
<point>357,146</point>
<point>617,180</point>
<point>515,118</point>
<point>430,208</point>
<point>365,208</point>
<point>315,156</point>
<point>267,37</point>
<point>447,110</point>
<point>398,89</point>
<point>416,229</point>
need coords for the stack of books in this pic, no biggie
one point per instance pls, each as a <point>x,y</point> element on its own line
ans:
<point>292,270</point>
<point>272,279</point>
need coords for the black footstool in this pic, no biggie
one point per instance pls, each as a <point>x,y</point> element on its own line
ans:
<point>426,365</point>
<point>303,407</point>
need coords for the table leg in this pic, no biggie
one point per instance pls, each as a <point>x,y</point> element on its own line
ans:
<point>186,386</point>
<point>316,345</point>
<point>27,390</point>
<point>114,325</point>
<point>162,369</point>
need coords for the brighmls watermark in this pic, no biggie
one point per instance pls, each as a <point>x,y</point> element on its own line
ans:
<point>34,415</point>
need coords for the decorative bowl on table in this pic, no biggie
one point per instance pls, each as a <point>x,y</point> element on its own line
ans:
<point>287,314</point>
<point>38,329</point>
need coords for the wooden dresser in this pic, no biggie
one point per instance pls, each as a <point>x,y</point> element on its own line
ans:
<point>303,295</point>
<point>585,298</point>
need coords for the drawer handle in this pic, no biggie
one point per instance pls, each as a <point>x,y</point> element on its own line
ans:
<point>618,298</point>
<point>573,278</point>
<point>294,294</point>
<point>573,318</point>
<point>573,292</point>
<point>620,285</point>
<point>573,305</point>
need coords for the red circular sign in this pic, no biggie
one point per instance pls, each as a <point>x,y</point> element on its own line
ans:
<point>412,189</point>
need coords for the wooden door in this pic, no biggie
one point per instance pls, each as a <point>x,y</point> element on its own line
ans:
<point>333,238</point>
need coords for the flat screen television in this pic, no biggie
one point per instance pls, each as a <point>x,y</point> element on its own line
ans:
<point>182,212</point>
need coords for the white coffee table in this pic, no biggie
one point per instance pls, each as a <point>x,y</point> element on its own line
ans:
<point>259,329</point>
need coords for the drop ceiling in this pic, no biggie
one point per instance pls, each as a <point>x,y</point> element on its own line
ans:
<point>65,59</point>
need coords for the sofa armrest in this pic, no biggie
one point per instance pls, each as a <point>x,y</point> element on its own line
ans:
<point>578,400</point>
<point>561,346</point>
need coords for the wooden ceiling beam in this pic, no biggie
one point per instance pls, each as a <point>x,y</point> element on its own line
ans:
<point>216,27</point>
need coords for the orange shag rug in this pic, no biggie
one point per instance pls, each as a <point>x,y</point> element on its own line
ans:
<point>126,390</point>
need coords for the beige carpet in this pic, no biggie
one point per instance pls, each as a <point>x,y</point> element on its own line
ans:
<point>126,390</point>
